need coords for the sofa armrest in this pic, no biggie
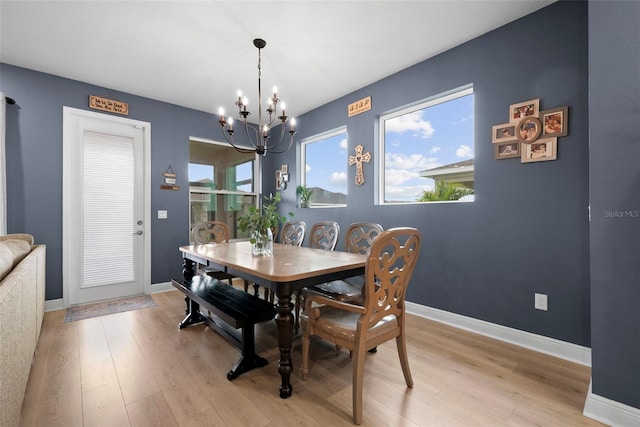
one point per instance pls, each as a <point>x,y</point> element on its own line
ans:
<point>18,236</point>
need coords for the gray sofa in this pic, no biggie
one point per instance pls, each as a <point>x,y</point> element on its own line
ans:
<point>22,287</point>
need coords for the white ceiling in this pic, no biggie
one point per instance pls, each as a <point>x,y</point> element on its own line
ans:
<point>199,53</point>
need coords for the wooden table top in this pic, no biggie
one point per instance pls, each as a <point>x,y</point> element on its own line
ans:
<point>288,263</point>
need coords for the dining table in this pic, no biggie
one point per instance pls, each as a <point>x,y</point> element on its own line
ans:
<point>287,270</point>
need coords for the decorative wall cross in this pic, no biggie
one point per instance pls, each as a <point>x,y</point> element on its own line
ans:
<point>357,160</point>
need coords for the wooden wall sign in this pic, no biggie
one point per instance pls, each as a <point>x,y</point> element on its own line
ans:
<point>169,180</point>
<point>359,106</point>
<point>111,105</point>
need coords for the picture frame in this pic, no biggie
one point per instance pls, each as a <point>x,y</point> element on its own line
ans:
<point>281,184</point>
<point>506,150</point>
<point>522,110</point>
<point>503,133</point>
<point>539,151</point>
<point>284,169</point>
<point>555,121</point>
<point>528,129</point>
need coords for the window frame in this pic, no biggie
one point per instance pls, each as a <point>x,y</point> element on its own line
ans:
<point>302,160</point>
<point>208,191</point>
<point>422,104</point>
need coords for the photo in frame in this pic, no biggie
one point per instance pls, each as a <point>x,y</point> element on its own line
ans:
<point>522,110</point>
<point>281,184</point>
<point>506,150</point>
<point>539,151</point>
<point>503,133</point>
<point>529,129</point>
<point>554,121</point>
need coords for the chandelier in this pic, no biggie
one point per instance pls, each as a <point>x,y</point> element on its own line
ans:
<point>259,135</point>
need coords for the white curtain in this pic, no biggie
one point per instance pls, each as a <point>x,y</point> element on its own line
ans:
<point>3,167</point>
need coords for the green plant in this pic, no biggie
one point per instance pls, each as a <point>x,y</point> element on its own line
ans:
<point>445,191</point>
<point>260,221</point>
<point>304,193</point>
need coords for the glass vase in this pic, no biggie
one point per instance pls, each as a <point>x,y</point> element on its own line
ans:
<point>262,242</point>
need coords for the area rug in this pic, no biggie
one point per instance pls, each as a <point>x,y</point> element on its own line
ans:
<point>88,311</point>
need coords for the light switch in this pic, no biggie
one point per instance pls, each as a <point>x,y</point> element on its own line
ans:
<point>162,214</point>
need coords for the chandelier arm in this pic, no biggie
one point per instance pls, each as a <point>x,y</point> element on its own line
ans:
<point>248,126</point>
<point>279,140</point>
<point>238,149</point>
<point>272,149</point>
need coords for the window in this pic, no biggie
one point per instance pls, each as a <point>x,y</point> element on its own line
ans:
<point>324,167</point>
<point>428,151</point>
<point>221,185</point>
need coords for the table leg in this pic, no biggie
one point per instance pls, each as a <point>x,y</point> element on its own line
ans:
<point>187,269</point>
<point>284,324</point>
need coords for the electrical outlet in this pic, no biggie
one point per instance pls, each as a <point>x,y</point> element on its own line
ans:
<point>541,302</point>
<point>162,214</point>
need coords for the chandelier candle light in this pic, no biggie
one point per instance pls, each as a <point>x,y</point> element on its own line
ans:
<point>259,135</point>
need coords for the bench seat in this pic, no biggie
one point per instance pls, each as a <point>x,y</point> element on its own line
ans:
<point>209,299</point>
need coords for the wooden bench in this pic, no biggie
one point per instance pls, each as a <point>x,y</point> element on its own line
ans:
<point>234,307</point>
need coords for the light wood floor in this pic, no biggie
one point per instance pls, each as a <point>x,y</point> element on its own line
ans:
<point>137,368</point>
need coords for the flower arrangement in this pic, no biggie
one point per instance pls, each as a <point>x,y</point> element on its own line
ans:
<point>261,224</point>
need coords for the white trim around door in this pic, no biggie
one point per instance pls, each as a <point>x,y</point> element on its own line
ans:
<point>77,124</point>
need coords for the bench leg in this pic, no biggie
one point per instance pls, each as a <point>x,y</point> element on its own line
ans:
<point>249,359</point>
<point>193,314</point>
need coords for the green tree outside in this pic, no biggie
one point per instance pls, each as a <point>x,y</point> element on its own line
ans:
<point>445,191</point>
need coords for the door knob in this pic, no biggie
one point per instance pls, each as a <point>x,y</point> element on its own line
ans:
<point>139,232</point>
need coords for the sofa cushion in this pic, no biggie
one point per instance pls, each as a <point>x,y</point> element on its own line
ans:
<point>18,236</point>
<point>11,253</point>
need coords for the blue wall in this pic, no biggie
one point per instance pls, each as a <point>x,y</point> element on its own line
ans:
<point>34,164</point>
<point>614,170</point>
<point>527,231</point>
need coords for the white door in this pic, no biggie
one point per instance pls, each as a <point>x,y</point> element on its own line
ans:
<point>105,207</point>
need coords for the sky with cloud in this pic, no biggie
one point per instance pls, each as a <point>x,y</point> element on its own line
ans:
<point>425,139</point>
<point>327,164</point>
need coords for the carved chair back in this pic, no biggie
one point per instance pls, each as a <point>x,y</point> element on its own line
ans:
<point>293,233</point>
<point>360,236</point>
<point>210,232</point>
<point>324,235</point>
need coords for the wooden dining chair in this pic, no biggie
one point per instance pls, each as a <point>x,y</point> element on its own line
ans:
<point>256,288</point>
<point>381,317</point>
<point>210,232</point>
<point>358,239</point>
<point>293,233</point>
<point>323,235</point>
<point>213,232</point>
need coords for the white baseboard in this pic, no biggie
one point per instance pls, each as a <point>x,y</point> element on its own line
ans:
<point>553,347</point>
<point>161,287</point>
<point>58,304</point>
<point>610,412</point>
<point>54,304</point>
